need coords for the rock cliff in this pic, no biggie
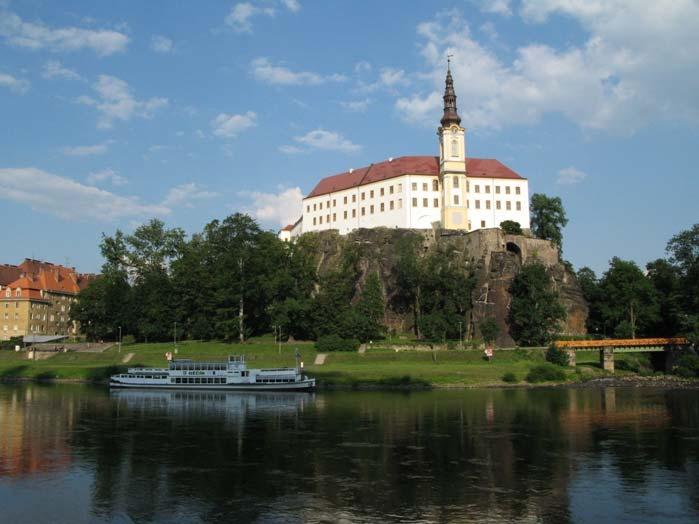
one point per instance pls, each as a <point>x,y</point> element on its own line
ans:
<point>491,256</point>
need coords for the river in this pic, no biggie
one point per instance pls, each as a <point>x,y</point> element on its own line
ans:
<point>72,454</point>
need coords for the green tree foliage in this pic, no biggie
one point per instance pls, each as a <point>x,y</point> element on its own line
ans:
<point>665,279</point>
<point>489,330</point>
<point>629,303</point>
<point>408,278</point>
<point>369,310</point>
<point>548,218</point>
<point>589,283</point>
<point>510,227</point>
<point>535,310</point>
<point>556,356</point>
<point>683,249</point>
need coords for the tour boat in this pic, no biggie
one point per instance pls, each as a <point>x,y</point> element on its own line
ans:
<point>232,374</point>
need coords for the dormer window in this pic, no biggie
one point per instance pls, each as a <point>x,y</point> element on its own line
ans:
<point>18,292</point>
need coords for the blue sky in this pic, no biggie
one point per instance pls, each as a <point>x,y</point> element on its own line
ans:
<point>116,112</point>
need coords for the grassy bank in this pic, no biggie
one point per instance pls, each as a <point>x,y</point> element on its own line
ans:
<point>376,367</point>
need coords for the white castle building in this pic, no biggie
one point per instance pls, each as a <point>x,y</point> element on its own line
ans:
<point>449,191</point>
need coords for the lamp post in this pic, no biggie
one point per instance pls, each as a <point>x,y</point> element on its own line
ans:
<point>279,338</point>
<point>461,338</point>
<point>119,339</point>
<point>175,336</point>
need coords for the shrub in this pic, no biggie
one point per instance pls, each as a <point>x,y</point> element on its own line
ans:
<point>128,340</point>
<point>329,343</point>
<point>557,356</point>
<point>510,227</point>
<point>545,373</point>
<point>687,366</point>
<point>509,377</point>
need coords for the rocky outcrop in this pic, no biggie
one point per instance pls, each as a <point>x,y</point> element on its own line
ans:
<point>493,257</point>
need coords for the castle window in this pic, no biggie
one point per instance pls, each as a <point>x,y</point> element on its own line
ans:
<point>382,206</point>
<point>327,220</point>
<point>400,203</point>
<point>487,204</point>
<point>436,202</point>
<point>517,190</point>
<point>414,185</point>
<point>478,204</point>
<point>320,205</point>
<point>390,205</point>
<point>519,206</point>
<point>435,185</point>
<point>345,215</point>
<point>334,217</point>
<point>455,148</point>
<point>487,189</point>
<point>354,213</point>
<point>363,195</point>
<point>469,225</point>
<point>478,188</point>
<point>507,190</point>
<point>467,205</point>
<point>456,200</point>
<point>334,203</point>
<point>18,293</point>
<point>425,202</point>
<point>424,186</point>
<point>371,194</point>
<point>390,190</point>
<point>320,220</point>
<point>381,190</point>
<point>344,200</point>
<point>328,206</point>
<point>482,223</point>
<point>400,188</point>
<point>308,209</point>
<point>371,209</point>
<point>456,181</point>
<point>497,204</point>
<point>314,207</point>
<point>354,198</point>
<point>414,202</point>
<point>363,211</point>
<point>508,205</point>
<point>497,190</point>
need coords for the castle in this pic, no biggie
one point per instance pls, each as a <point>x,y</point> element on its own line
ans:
<point>449,191</point>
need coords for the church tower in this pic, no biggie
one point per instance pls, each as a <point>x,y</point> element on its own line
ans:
<point>452,161</point>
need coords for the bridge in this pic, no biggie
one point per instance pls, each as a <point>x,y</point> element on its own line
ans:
<point>607,348</point>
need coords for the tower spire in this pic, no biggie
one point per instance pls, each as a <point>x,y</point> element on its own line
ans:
<point>451,116</point>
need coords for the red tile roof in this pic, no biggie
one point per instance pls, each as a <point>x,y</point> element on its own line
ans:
<point>409,165</point>
<point>9,273</point>
<point>35,275</point>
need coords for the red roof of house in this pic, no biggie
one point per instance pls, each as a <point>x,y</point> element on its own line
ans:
<point>288,227</point>
<point>9,273</point>
<point>409,165</point>
<point>37,275</point>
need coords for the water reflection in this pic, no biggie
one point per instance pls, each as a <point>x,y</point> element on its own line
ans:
<point>544,455</point>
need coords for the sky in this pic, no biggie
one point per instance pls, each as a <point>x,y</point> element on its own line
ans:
<point>112,113</point>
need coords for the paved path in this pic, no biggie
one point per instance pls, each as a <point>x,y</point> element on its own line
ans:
<point>320,359</point>
<point>127,358</point>
<point>362,348</point>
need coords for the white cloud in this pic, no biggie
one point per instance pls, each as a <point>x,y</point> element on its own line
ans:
<point>68,199</point>
<point>185,195</point>
<point>280,208</point>
<point>39,36</point>
<point>391,77</point>
<point>96,149</point>
<point>116,102</point>
<point>106,175</point>
<point>18,85</point>
<point>636,66</point>
<point>356,106</point>
<point>54,69</point>
<point>500,7</point>
<point>161,44</point>
<point>570,176</point>
<point>240,16</point>
<point>229,126</point>
<point>265,71</point>
<point>291,150</point>
<point>292,5</point>
<point>362,67</point>
<point>325,140</point>
<point>71,200</point>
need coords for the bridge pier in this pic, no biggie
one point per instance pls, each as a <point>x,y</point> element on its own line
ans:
<point>671,354</point>
<point>571,357</point>
<point>606,359</point>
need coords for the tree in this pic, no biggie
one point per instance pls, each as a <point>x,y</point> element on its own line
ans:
<point>589,284</point>
<point>548,218</point>
<point>369,310</point>
<point>489,330</point>
<point>510,227</point>
<point>665,279</point>
<point>535,310</point>
<point>683,249</point>
<point>408,278</point>
<point>629,303</point>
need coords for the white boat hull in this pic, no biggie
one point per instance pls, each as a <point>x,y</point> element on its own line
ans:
<point>303,385</point>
